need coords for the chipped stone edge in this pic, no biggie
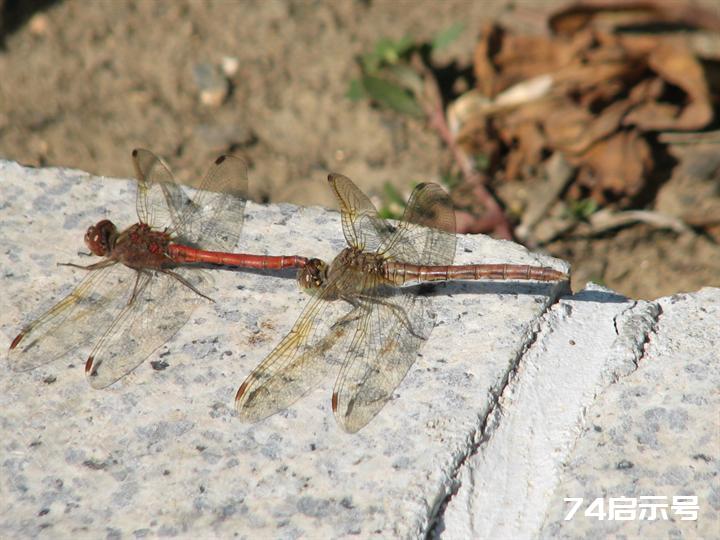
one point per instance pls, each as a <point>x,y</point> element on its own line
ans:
<point>489,421</point>
<point>634,328</point>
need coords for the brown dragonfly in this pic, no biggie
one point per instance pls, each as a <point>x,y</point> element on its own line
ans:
<point>140,294</point>
<point>374,343</point>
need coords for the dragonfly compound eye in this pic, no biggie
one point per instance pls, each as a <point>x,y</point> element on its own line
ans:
<point>100,237</point>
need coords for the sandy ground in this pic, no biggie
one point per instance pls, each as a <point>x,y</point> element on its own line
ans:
<point>85,82</point>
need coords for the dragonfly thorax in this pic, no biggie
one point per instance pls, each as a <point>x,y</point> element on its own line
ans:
<point>101,237</point>
<point>361,261</point>
<point>141,247</point>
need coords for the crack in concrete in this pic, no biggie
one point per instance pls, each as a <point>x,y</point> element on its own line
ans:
<point>490,422</point>
<point>634,328</point>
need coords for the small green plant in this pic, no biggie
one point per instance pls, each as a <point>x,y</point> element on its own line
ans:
<point>389,79</point>
<point>582,209</point>
<point>386,52</point>
<point>387,76</point>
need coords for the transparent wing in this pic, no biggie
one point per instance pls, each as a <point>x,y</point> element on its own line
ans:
<point>160,199</point>
<point>362,227</point>
<point>215,217</point>
<point>303,357</point>
<point>160,306</point>
<point>213,220</point>
<point>74,321</point>
<point>394,325</point>
<point>426,234</point>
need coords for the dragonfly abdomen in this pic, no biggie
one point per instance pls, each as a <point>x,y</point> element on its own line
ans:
<point>400,273</point>
<point>185,254</point>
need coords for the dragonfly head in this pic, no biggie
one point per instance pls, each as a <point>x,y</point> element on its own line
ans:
<point>313,275</point>
<point>100,238</point>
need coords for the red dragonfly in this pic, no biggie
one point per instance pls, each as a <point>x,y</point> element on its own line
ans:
<point>374,337</point>
<point>140,294</point>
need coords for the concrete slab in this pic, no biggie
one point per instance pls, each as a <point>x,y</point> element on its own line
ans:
<point>162,452</point>
<point>587,341</point>
<point>615,399</point>
<point>656,433</point>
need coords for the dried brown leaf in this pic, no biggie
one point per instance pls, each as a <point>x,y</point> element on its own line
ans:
<point>675,65</point>
<point>615,168</point>
<point>611,14</point>
<point>607,90</point>
<point>503,59</point>
<point>527,143</point>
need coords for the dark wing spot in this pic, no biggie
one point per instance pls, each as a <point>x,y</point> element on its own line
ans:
<point>219,160</point>
<point>17,340</point>
<point>241,391</point>
<point>89,369</point>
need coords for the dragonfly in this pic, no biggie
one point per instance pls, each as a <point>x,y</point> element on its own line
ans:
<point>374,337</point>
<point>145,288</point>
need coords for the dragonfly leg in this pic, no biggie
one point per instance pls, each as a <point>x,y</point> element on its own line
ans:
<point>185,282</point>
<point>96,266</point>
<point>354,315</point>
<point>136,289</point>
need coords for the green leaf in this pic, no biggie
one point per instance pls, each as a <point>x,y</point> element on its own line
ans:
<point>389,52</point>
<point>356,91</point>
<point>583,208</point>
<point>406,76</point>
<point>385,51</point>
<point>445,37</point>
<point>391,95</point>
<point>370,62</point>
<point>404,45</point>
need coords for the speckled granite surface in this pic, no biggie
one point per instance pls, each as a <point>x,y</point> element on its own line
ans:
<point>515,403</point>
<point>655,433</point>
<point>161,453</point>
<point>614,399</point>
<point>589,339</point>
